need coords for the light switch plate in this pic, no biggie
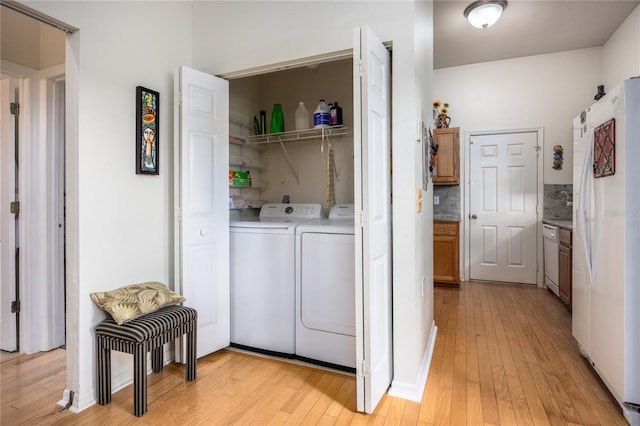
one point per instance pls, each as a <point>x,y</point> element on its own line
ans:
<point>436,200</point>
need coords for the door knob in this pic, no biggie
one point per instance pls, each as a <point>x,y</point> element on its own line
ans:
<point>473,216</point>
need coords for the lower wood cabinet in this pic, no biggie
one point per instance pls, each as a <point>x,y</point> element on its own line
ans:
<point>446,254</point>
<point>565,266</point>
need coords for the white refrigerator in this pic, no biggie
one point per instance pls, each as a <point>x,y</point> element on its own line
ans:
<point>606,245</point>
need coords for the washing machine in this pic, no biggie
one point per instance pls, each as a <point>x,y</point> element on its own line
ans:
<point>325,290</point>
<point>262,278</point>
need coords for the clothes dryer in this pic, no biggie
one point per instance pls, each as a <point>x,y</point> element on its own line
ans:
<point>325,290</point>
<point>262,273</point>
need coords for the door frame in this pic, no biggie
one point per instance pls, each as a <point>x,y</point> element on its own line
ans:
<point>465,235</point>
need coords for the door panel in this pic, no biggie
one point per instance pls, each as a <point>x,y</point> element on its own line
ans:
<point>202,216</point>
<point>373,225</point>
<point>8,335</point>
<point>503,207</point>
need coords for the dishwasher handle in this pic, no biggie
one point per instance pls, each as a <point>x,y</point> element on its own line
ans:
<point>550,232</point>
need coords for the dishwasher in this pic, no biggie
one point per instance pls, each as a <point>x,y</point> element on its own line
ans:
<point>551,238</point>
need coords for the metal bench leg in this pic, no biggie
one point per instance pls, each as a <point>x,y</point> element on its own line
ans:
<point>139,380</point>
<point>191,354</point>
<point>157,359</point>
<point>104,372</point>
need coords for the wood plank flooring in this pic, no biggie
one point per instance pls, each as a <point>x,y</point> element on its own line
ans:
<point>504,356</point>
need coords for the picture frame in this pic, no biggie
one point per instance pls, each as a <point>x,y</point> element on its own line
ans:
<point>147,131</point>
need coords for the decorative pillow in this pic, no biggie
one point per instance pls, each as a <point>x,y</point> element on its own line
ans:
<point>132,301</point>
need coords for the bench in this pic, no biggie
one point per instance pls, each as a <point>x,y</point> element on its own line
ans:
<point>146,333</point>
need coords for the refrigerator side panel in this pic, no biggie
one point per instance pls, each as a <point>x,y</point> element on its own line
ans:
<point>632,243</point>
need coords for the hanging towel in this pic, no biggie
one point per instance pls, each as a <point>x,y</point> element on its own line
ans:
<point>330,195</point>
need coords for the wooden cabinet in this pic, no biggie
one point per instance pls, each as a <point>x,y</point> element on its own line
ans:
<point>447,170</point>
<point>446,254</point>
<point>565,266</point>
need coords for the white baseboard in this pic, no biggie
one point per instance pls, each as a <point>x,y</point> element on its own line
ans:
<point>414,391</point>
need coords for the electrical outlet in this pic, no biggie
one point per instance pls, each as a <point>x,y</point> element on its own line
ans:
<point>436,200</point>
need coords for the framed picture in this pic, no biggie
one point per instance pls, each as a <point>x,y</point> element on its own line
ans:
<point>147,131</point>
<point>604,149</point>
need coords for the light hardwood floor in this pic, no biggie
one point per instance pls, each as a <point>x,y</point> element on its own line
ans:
<point>504,356</point>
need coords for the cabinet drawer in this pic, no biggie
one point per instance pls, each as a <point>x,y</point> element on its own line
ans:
<point>565,237</point>
<point>445,228</point>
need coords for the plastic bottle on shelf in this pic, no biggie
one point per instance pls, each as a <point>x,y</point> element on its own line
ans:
<point>302,117</point>
<point>321,115</point>
<point>263,122</point>
<point>277,119</point>
<point>335,115</point>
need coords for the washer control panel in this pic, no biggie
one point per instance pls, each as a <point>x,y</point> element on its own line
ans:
<point>291,211</point>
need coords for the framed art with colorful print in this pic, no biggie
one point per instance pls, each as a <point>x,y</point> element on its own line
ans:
<point>147,131</point>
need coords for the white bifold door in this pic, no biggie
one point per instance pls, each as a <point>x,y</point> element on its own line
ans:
<point>202,229</point>
<point>201,203</point>
<point>371,139</point>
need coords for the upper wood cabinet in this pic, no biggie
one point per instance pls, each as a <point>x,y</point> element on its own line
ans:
<point>448,159</point>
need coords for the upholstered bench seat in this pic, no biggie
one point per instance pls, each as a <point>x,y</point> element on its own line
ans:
<point>143,334</point>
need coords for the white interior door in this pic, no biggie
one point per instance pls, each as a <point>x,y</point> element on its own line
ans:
<point>202,213</point>
<point>503,207</point>
<point>8,337</point>
<point>373,225</point>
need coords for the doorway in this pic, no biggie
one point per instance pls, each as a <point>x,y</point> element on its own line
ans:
<point>505,186</point>
<point>33,250</point>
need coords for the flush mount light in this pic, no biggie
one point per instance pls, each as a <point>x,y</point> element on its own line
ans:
<point>484,13</point>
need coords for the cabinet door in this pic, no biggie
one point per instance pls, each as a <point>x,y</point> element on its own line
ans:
<point>564,266</point>
<point>446,268</point>
<point>448,158</point>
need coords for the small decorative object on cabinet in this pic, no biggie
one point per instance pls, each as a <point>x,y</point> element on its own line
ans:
<point>447,170</point>
<point>446,254</point>
<point>565,266</point>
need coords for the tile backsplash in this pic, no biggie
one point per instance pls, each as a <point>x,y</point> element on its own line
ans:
<point>555,202</point>
<point>448,208</point>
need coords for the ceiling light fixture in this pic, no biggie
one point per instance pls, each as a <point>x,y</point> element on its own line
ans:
<point>484,13</point>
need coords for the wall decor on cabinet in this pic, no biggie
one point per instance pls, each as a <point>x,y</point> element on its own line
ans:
<point>147,131</point>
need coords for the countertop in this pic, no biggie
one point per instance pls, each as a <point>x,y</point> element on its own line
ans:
<point>560,223</point>
<point>446,218</point>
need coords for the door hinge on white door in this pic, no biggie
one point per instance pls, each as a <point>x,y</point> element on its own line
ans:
<point>361,368</point>
<point>15,108</point>
<point>361,69</point>
<point>15,307</point>
<point>14,207</point>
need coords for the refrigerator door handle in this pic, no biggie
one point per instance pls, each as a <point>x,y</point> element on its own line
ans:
<point>584,199</point>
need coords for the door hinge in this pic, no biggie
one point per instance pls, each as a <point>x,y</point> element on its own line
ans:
<point>15,207</point>
<point>15,108</point>
<point>361,368</point>
<point>15,307</point>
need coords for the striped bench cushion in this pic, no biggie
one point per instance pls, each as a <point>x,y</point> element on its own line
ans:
<point>148,326</point>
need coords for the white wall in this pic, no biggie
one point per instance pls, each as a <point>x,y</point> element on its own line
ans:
<point>545,91</point>
<point>621,53</point>
<point>271,32</point>
<point>119,224</point>
<point>28,42</point>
